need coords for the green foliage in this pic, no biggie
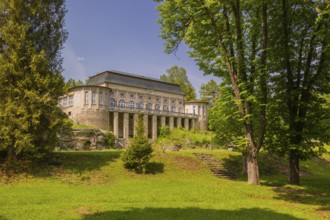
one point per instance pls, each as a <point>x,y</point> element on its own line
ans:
<point>179,76</point>
<point>209,91</point>
<point>31,37</point>
<point>110,139</point>
<point>139,151</point>
<point>184,138</point>
<point>224,120</point>
<point>72,83</point>
<point>164,131</point>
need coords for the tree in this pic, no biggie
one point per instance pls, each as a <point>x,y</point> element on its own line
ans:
<point>228,39</point>
<point>72,83</point>
<point>31,37</point>
<point>301,75</point>
<point>178,75</point>
<point>209,91</point>
<point>139,151</point>
<point>224,121</point>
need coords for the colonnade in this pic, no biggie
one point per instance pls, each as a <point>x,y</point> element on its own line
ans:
<point>123,123</point>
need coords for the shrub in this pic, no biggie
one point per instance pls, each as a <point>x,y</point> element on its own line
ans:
<point>139,151</point>
<point>164,131</point>
<point>110,139</point>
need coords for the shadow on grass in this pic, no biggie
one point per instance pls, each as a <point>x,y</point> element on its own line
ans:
<point>77,162</point>
<point>60,163</point>
<point>154,168</point>
<point>190,214</point>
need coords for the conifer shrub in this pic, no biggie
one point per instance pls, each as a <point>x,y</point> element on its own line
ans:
<point>110,139</point>
<point>139,151</point>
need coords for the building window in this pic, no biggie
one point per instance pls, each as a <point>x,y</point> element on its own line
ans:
<point>70,100</point>
<point>69,113</point>
<point>180,103</point>
<point>131,104</point>
<point>173,109</point>
<point>165,100</point>
<point>86,98</point>
<point>112,103</point>
<point>65,101</point>
<point>122,103</point>
<point>149,98</point>
<point>140,105</point>
<point>157,99</point>
<point>122,94</point>
<point>194,110</point>
<point>173,101</point>
<point>157,107</point>
<point>140,97</point>
<point>165,108</point>
<point>93,98</point>
<point>112,93</point>
<point>148,106</point>
<point>101,98</point>
<point>132,96</point>
<point>203,110</point>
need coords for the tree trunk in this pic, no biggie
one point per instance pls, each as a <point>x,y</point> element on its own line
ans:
<point>253,169</point>
<point>11,154</point>
<point>294,167</point>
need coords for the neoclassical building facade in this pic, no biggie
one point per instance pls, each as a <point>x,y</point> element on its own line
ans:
<point>114,99</point>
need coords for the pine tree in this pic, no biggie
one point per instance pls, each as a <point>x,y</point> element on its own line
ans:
<point>139,152</point>
<point>31,37</point>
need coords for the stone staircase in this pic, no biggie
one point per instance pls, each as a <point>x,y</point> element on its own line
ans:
<point>216,166</point>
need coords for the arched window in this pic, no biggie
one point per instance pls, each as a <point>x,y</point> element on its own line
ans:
<point>148,106</point>
<point>112,103</point>
<point>140,105</point>
<point>165,108</point>
<point>131,104</point>
<point>86,98</point>
<point>173,109</point>
<point>157,107</point>
<point>122,103</point>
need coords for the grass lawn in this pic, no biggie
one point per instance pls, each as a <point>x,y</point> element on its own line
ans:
<point>94,185</point>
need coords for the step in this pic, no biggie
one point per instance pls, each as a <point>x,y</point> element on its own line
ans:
<point>216,166</point>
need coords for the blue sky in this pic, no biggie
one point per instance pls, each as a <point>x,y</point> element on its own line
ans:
<point>120,35</point>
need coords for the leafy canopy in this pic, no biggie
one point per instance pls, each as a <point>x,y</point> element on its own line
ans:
<point>179,76</point>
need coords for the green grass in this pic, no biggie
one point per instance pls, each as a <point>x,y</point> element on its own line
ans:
<point>94,185</point>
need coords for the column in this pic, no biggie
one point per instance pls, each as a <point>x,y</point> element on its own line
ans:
<point>171,123</point>
<point>115,123</point>
<point>126,126</point>
<point>154,127</point>
<point>186,123</point>
<point>178,122</point>
<point>163,121</point>
<point>136,119</point>
<point>145,122</point>
<point>193,123</point>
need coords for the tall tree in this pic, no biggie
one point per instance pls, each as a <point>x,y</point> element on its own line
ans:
<point>209,91</point>
<point>228,39</point>
<point>179,76</point>
<point>31,37</point>
<point>301,75</point>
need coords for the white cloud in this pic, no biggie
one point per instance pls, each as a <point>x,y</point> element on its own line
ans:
<point>72,64</point>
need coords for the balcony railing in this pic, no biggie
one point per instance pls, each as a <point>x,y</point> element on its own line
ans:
<point>150,111</point>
